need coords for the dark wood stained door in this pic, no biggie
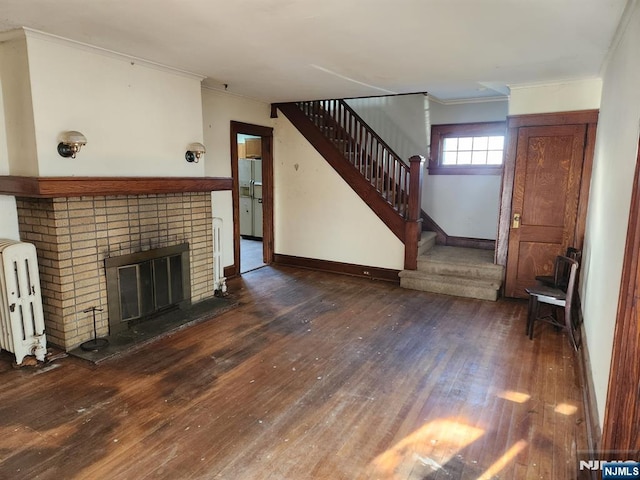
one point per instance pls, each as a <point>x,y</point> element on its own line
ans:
<point>546,194</point>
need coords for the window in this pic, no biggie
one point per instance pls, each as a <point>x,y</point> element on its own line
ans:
<point>467,149</point>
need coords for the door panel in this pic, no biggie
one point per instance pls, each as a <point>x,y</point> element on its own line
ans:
<point>545,195</point>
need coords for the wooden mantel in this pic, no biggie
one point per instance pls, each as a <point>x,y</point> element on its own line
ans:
<point>54,187</point>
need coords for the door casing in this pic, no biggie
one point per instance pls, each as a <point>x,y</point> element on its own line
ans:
<point>621,429</point>
<point>266,135</point>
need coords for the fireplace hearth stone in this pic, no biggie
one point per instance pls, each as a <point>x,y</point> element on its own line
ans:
<point>139,334</point>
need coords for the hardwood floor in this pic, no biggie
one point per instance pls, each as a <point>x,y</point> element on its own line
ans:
<point>313,376</point>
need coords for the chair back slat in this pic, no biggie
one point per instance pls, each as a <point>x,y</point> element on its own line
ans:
<point>562,268</point>
<point>560,295</point>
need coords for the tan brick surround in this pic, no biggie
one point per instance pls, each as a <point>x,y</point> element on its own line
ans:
<point>74,235</point>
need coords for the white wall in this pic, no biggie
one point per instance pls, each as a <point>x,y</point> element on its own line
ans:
<point>318,215</point>
<point>17,140</point>
<point>464,205</point>
<point>138,118</point>
<point>399,120</point>
<point>218,110</point>
<point>314,209</point>
<point>557,97</point>
<point>609,201</point>
<point>493,110</point>
<point>8,218</point>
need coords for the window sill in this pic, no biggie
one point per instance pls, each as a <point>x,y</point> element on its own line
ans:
<point>465,170</point>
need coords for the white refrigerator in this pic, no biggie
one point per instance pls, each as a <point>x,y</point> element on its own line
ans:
<point>250,180</point>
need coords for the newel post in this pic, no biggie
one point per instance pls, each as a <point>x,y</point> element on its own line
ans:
<point>413,224</point>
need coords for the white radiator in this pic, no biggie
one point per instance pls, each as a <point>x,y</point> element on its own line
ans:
<point>21,318</point>
<point>219,280</point>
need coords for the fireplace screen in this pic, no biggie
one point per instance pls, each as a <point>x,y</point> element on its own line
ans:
<point>142,284</point>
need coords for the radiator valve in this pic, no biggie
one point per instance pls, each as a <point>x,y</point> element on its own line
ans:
<point>39,350</point>
<point>222,288</point>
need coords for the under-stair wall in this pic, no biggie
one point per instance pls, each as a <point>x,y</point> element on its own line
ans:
<point>388,185</point>
<point>320,217</point>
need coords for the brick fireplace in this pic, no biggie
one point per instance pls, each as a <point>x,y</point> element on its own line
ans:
<point>74,235</point>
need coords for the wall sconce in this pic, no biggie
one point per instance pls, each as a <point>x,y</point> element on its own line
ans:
<point>194,152</point>
<point>70,143</point>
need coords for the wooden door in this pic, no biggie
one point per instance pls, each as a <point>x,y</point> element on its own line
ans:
<point>544,209</point>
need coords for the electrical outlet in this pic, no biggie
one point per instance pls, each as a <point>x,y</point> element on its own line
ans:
<point>366,272</point>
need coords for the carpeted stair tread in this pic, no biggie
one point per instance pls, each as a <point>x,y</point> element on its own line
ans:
<point>457,280</point>
<point>449,285</point>
<point>461,262</point>
<point>427,242</point>
<point>458,271</point>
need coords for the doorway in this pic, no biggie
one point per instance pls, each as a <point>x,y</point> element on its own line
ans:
<point>545,192</point>
<point>252,171</point>
<point>251,211</point>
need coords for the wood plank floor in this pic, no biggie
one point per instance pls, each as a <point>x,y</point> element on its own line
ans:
<point>313,376</point>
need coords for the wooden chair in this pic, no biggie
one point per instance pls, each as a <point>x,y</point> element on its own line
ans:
<point>556,298</point>
<point>560,278</point>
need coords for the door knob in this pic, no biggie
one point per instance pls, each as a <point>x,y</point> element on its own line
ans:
<point>516,221</point>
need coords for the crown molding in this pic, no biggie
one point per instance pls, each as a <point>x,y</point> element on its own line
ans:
<point>461,101</point>
<point>223,90</point>
<point>620,31</point>
<point>37,34</point>
<point>521,86</point>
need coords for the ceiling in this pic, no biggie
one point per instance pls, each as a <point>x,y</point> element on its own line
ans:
<point>284,50</point>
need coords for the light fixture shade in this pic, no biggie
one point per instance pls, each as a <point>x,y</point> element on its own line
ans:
<point>70,143</point>
<point>196,147</point>
<point>195,150</point>
<point>73,138</point>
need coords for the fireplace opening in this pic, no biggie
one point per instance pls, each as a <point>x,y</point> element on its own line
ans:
<point>145,284</point>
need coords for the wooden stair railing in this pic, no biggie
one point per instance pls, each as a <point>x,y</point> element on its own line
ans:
<point>390,187</point>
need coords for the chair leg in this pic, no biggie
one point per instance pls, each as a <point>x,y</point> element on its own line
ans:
<point>533,315</point>
<point>568,322</point>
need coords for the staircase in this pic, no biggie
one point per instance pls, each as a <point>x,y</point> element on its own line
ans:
<point>457,271</point>
<point>390,186</point>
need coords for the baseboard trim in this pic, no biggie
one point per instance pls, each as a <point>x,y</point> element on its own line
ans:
<point>374,273</point>
<point>594,432</point>
<point>230,271</point>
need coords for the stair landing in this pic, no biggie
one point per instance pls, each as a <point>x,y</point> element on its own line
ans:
<point>458,271</point>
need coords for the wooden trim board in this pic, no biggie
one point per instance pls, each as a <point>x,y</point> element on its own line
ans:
<point>60,187</point>
<point>375,273</point>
